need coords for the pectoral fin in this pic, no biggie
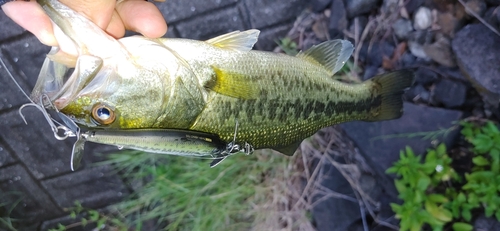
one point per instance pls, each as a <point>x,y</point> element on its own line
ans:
<point>237,40</point>
<point>232,84</point>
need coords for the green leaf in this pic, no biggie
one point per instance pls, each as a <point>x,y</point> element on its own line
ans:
<point>84,221</point>
<point>466,214</point>
<point>419,197</point>
<point>415,225</point>
<point>100,223</point>
<point>400,186</point>
<point>491,129</point>
<point>441,150</point>
<point>437,198</point>
<point>480,161</point>
<point>61,227</point>
<point>392,169</point>
<point>93,215</point>
<point>439,213</point>
<point>473,199</point>
<point>431,157</point>
<point>481,176</point>
<point>396,209</point>
<point>495,153</point>
<point>482,143</point>
<point>467,131</point>
<point>72,214</point>
<point>461,226</point>
<point>423,183</point>
<point>409,151</point>
<point>488,211</point>
<point>495,166</point>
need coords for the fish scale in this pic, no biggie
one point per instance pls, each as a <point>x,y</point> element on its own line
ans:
<point>280,111</point>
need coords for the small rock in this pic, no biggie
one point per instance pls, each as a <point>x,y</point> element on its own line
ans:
<point>402,27</point>
<point>477,53</point>
<point>338,19</point>
<point>358,7</point>
<point>448,23</point>
<point>418,94</point>
<point>425,76</point>
<point>417,50</point>
<point>440,52</point>
<point>477,6</point>
<point>389,6</point>
<point>416,40</point>
<point>491,16</point>
<point>373,56</point>
<point>497,14</point>
<point>407,59</point>
<point>412,5</point>
<point>370,71</point>
<point>452,73</point>
<point>346,212</point>
<point>450,93</point>
<point>381,150</point>
<point>422,19</point>
<point>319,5</point>
<point>486,223</point>
<point>493,2</point>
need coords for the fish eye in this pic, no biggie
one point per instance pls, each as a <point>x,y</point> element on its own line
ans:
<point>102,114</point>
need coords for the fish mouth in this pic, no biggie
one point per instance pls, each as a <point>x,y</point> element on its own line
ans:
<point>62,84</point>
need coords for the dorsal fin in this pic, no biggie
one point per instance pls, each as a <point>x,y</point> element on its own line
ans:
<point>331,54</point>
<point>236,40</point>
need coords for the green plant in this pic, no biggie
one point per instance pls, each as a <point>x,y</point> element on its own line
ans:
<point>483,183</point>
<point>428,201</point>
<point>181,193</point>
<point>7,222</point>
<point>430,135</point>
<point>417,179</point>
<point>188,195</point>
<point>288,46</point>
<point>90,216</point>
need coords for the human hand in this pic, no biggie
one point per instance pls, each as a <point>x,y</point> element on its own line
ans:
<point>111,15</point>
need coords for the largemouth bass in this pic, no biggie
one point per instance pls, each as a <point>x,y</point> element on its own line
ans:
<point>218,86</point>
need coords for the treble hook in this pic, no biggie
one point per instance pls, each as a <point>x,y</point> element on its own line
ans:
<point>232,148</point>
<point>56,129</point>
<point>233,143</point>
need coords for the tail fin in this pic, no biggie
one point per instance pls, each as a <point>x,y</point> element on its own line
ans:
<point>391,88</point>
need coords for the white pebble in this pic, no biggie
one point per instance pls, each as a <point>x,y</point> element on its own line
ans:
<point>423,18</point>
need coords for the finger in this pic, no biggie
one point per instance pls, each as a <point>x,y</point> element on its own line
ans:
<point>31,17</point>
<point>116,27</point>
<point>143,17</point>
<point>100,12</point>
